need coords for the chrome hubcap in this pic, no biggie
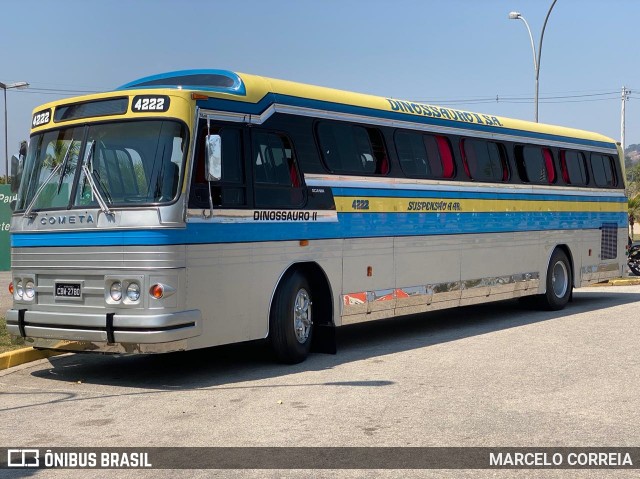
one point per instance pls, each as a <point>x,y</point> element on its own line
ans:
<point>560,279</point>
<point>302,316</point>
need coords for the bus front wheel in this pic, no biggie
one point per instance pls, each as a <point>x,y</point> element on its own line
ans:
<point>290,319</point>
<point>559,282</point>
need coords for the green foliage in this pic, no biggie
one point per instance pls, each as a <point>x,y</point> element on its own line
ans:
<point>634,210</point>
<point>7,343</point>
<point>633,180</point>
<point>56,151</point>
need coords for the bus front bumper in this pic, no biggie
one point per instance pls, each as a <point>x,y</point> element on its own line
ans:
<point>111,333</point>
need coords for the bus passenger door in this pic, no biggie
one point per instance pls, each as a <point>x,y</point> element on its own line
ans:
<point>219,264</point>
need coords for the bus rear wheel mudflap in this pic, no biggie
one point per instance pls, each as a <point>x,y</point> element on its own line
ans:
<point>291,318</point>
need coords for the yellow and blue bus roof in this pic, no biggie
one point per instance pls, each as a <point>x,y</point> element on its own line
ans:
<point>252,95</point>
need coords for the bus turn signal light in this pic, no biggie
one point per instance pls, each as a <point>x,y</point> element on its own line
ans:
<point>11,290</point>
<point>157,291</point>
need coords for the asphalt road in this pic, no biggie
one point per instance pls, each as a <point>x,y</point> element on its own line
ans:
<point>490,375</point>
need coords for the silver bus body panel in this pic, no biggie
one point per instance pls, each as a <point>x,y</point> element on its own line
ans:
<point>224,290</point>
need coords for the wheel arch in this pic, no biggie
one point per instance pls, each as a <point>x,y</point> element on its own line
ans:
<point>566,250</point>
<point>321,290</point>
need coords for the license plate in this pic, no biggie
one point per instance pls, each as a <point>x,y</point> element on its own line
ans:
<point>68,290</point>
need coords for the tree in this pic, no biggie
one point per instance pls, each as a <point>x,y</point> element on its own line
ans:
<point>634,211</point>
<point>633,180</point>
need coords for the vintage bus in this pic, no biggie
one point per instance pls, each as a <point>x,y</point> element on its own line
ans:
<point>205,207</point>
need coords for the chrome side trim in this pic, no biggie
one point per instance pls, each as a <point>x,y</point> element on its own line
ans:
<point>104,347</point>
<point>600,268</point>
<point>366,305</point>
<point>312,179</point>
<point>596,273</point>
<point>372,120</point>
<point>457,130</point>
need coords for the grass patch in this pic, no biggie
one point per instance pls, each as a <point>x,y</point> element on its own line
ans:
<point>7,343</point>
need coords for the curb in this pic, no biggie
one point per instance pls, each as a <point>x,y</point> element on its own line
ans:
<point>24,355</point>
<point>624,281</point>
<point>619,282</point>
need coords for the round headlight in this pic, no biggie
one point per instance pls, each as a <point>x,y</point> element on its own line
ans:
<point>29,290</point>
<point>116,291</point>
<point>133,292</point>
<point>19,289</point>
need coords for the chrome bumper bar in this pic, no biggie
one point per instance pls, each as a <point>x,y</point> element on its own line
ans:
<point>105,332</point>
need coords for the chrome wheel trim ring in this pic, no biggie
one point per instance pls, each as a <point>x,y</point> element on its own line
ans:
<point>302,316</point>
<point>559,279</point>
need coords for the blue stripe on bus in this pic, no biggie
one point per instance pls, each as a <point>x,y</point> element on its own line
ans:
<point>270,98</point>
<point>350,225</point>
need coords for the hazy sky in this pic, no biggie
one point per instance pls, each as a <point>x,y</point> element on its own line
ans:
<point>459,53</point>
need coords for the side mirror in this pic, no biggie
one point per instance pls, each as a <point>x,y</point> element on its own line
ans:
<point>16,173</point>
<point>213,150</point>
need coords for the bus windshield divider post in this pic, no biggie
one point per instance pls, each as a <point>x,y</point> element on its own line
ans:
<point>209,182</point>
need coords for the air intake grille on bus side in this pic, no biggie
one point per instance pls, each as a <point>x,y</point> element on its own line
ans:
<point>609,242</point>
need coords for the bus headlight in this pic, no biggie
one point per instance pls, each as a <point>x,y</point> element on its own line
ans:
<point>19,289</point>
<point>116,291</point>
<point>133,292</point>
<point>29,290</point>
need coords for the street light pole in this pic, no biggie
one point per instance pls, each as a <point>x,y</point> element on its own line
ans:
<point>5,87</point>
<point>536,61</point>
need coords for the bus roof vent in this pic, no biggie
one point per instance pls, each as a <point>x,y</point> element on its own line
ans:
<point>204,80</point>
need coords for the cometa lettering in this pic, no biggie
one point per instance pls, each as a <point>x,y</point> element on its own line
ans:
<point>285,216</point>
<point>72,220</point>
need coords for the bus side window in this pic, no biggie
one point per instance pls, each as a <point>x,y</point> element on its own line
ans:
<point>352,149</point>
<point>276,175</point>
<point>424,156</point>
<point>231,190</point>
<point>604,173</point>
<point>484,160</point>
<point>574,171</point>
<point>535,165</point>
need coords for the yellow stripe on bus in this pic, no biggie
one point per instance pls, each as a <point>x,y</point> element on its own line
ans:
<point>439,205</point>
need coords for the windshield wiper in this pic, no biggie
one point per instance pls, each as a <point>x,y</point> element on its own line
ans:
<point>63,173</point>
<point>27,212</point>
<point>90,178</point>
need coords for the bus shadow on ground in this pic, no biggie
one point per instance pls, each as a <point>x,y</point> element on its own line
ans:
<point>253,361</point>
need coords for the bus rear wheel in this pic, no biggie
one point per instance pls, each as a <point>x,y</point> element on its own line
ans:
<point>559,282</point>
<point>290,319</point>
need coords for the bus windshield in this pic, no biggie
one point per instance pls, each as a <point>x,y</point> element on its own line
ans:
<point>121,163</point>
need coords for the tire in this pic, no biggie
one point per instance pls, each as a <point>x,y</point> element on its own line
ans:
<point>290,319</point>
<point>633,260</point>
<point>559,282</point>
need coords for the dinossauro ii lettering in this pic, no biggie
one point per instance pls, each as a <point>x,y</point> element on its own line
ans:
<point>283,215</point>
